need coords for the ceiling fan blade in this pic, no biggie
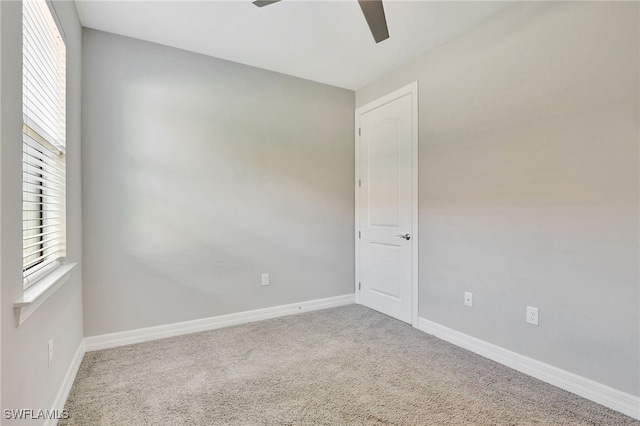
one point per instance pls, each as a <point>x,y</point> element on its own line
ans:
<point>262,3</point>
<point>374,14</point>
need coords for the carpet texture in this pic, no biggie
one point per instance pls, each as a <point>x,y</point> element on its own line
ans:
<point>341,366</point>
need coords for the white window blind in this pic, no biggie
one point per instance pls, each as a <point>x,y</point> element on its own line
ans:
<point>43,141</point>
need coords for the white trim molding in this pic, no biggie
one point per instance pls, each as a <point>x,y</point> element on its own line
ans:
<point>597,392</point>
<point>67,383</point>
<point>40,291</point>
<point>129,337</point>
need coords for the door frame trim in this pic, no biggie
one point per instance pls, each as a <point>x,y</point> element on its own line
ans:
<point>410,89</point>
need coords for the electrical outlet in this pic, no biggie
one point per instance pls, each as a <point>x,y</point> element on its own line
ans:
<point>50,357</point>
<point>532,315</point>
<point>265,279</point>
<point>468,298</point>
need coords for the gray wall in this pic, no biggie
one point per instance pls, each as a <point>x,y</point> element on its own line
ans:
<point>529,184</point>
<point>198,176</point>
<point>27,382</point>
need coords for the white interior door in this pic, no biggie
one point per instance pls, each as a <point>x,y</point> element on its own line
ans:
<point>386,210</point>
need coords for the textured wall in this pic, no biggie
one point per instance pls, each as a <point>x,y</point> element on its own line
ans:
<point>27,381</point>
<point>201,174</point>
<point>529,183</point>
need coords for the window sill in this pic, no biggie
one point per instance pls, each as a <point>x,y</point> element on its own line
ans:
<point>40,291</point>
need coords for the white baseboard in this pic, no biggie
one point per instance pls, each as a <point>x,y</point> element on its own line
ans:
<point>113,340</point>
<point>65,388</point>
<point>597,392</point>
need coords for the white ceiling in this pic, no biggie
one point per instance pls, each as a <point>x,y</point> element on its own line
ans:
<point>325,41</point>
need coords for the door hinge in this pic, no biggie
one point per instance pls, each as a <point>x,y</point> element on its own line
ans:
<point>359,286</point>
<point>359,131</point>
<point>359,234</point>
<point>359,183</point>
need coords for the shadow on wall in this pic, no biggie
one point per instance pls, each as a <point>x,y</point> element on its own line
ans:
<point>212,192</point>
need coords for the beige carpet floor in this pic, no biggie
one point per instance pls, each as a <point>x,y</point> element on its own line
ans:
<point>341,366</point>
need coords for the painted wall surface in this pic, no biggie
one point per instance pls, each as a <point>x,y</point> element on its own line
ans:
<point>199,175</point>
<point>529,189</point>
<point>27,381</point>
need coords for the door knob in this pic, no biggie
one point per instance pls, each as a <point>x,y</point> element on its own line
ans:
<point>405,236</point>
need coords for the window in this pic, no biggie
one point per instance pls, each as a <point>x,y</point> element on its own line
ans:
<point>43,142</point>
